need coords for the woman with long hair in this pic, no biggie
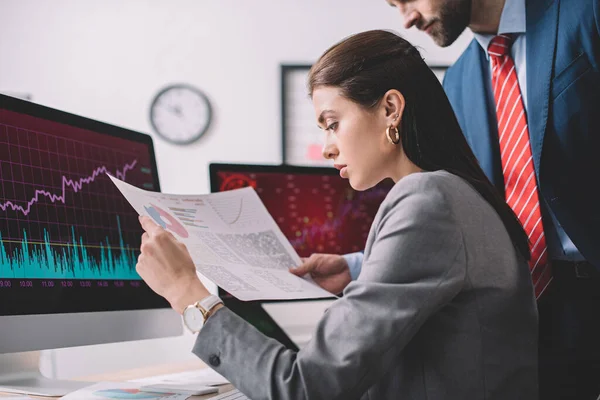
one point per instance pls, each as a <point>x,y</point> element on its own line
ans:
<point>443,307</point>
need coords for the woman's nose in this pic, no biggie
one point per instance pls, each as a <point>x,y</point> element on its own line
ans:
<point>330,151</point>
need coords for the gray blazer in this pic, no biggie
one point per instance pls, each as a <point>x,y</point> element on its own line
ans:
<point>443,309</point>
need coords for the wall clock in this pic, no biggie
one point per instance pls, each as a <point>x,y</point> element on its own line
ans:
<point>180,113</point>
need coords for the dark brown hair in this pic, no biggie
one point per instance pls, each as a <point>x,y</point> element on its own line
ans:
<point>366,65</point>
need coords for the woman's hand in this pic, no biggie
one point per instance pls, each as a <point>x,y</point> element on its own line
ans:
<point>330,271</point>
<point>167,267</point>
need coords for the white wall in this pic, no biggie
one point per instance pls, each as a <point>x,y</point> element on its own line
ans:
<point>106,59</point>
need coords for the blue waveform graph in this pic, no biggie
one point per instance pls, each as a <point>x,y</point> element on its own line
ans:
<point>74,260</point>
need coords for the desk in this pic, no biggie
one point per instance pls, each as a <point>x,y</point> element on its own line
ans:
<point>146,372</point>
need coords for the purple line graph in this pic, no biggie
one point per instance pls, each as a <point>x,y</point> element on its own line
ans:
<point>76,185</point>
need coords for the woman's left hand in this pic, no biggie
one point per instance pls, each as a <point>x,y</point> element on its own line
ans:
<point>167,267</point>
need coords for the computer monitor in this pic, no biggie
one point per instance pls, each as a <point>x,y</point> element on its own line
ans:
<point>316,209</point>
<point>69,240</point>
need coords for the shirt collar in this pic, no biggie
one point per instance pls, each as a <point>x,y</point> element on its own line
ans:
<point>512,20</point>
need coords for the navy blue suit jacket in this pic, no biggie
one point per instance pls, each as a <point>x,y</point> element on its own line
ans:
<point>563,89</point>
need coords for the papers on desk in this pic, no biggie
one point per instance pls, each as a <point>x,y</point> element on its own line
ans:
<point>204,376</point>
<point>232,239</point>
<point>120,390</point>
<point>17,398</point>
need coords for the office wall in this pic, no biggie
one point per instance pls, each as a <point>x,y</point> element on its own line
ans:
<point>107,59</point>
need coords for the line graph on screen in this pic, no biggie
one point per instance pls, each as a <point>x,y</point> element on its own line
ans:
<point>75,185</point>
<point>62,218</point>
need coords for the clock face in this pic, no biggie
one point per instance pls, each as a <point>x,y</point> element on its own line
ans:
<point>180,114</point>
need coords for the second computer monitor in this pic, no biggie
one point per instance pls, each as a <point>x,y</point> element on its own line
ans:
<point>316,209</point>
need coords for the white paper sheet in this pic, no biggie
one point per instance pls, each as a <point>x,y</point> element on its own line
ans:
<point>120,390</point>
<point>232,239</point>
<point>205,376</point>
<point>17,398</point>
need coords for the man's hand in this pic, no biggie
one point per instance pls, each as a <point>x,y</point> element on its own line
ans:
<point>330,271</point>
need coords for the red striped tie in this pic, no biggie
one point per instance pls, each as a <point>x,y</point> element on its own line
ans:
<point>517,161</point>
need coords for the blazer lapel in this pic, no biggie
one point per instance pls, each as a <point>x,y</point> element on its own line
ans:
<point>542,19</point>
<point>481,126</point>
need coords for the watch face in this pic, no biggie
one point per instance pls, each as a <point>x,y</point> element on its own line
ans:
<point>193,319</point>
<point>180,114</point>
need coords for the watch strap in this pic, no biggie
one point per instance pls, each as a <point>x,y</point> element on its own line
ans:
<point>207,304</point>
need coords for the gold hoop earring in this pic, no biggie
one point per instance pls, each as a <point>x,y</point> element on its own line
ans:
<point>396,134</point>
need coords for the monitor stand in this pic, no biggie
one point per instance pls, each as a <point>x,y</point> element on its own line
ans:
<point>20,373</point>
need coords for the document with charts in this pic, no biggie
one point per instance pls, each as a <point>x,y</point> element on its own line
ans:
<point>232,239</point>
<point>120,390</point>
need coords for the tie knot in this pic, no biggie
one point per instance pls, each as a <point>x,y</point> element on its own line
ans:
<point>500,45</point>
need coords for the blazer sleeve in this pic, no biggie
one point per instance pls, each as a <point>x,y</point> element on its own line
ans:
<point>415,265</point>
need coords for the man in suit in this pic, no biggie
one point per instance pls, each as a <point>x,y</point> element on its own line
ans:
<point>526,93</point>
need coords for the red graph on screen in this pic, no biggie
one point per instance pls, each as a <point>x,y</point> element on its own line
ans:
<point>318,213</point>
<point>76,185</point>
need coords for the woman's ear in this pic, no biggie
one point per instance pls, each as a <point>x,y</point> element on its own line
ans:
<point>393,104</point>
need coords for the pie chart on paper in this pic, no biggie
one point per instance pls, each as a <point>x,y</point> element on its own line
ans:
<point>130,394</point>
<point>166,220</point>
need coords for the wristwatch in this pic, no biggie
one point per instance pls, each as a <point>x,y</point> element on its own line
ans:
<point>195,315</point>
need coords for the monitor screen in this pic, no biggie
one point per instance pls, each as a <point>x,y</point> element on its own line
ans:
<point>69,241</point>
<point>316,209</point>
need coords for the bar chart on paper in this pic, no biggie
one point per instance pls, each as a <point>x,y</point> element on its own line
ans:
<point>61,217</point>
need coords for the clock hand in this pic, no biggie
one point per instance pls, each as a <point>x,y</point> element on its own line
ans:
<point>176,110</point>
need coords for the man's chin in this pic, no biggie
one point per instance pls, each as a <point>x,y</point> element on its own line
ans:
<point>442,40</point>
<point>443,35</point>
<point>439,38</point>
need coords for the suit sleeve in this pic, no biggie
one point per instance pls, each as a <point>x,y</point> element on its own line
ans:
<point>415,265</point>
<point>597,14</point>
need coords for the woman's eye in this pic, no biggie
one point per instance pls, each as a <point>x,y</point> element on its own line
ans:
<point>332,127</point>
